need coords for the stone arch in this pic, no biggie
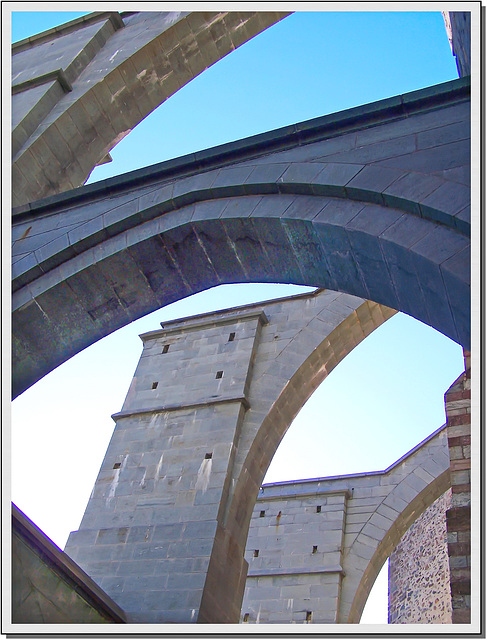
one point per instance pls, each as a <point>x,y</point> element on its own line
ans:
<point>364,515</point>
<point>296,327</point>
<point>351,613</point>
<point>80,88</point>
<point>281,407</point>
<point>371,201</point>
<point>357,247</point>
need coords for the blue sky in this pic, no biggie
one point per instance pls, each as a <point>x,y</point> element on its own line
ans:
<point>385,397</point>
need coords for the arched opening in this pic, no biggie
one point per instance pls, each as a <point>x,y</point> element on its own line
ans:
<point>78,426</point>
<point>73,461</point>
<point>365,393</point>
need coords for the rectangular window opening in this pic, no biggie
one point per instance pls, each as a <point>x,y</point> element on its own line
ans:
<point>231,337</point>
<point>117,465</point>
<point>165,348</point>
<point>208,456</point>
<point>318,509</point>
<point>256,553</point>
<point>315,548</point>
<point>308,616</point>
<point>262,514</point>
<point>246,617</point>
<point>219,374</point>
<point>154,385</point>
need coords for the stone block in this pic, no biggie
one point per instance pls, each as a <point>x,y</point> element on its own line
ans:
<point>200,530</point>
<point>208,210</point>
<point>371,180</point>
<point>409,190</point>
<point>263,175</point>
<point>192,581</point>
<point>274,207</point>
<point>240,207</point>
<point>385,152</point>
<point>341,264</point>
<point>82,537</point>
<point>112,536</point>
<point>447,156</point>
<point>438,308</point>
<point>370,261</point>
<point>335,174</point>
<point>301,173</point>
<point>450,198</point>
<point>445,134</point>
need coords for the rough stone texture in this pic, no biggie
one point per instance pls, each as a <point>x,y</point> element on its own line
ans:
<point>458,411</point>
<point>419,572</point>
<point>165,528</point>
<point>47,587</point>
<point>78,89</point>
<point>362,202</point>
<point>315,546</point>
<point>458,26</point>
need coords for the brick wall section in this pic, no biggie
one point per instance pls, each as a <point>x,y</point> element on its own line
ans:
<point>458,404</point>
<point>419,587</point>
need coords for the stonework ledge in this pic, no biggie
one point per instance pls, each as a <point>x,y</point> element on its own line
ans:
<point>259,573</point>
<point>179,407</point>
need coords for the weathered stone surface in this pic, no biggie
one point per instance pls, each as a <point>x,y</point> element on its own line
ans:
<point>48,587</point>
<point>208,406</point>
<point>175,229</point>
<point>80,88</point>
<point>317,545</point>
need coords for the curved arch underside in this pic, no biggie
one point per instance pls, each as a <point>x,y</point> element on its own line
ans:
<point>358,248</point>
<point>373,202</point>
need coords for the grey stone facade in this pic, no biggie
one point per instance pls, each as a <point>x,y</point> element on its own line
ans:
<point>166,524</point>
<point>211,398</point>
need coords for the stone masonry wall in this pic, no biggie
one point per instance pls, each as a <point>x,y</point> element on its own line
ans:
<point>316,546</point>
<point>419,586</point>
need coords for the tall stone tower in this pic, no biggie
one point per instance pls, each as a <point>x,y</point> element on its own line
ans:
<point>148,531</point>
<point>165,528</point>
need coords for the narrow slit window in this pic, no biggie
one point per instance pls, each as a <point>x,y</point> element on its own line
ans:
<point>231,337</point>
<point>154,385</point>
<point>246,617</point>
<point>318,509</point>
<point>308,616</point>
<point>262,514</point>
<point>315,548</point>
<point>219,374</point>
<point>256,553</point>
<point>165,348</point>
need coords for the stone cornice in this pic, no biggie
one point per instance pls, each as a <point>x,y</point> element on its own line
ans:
<point>197,322</point>
<point>179,407</point>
